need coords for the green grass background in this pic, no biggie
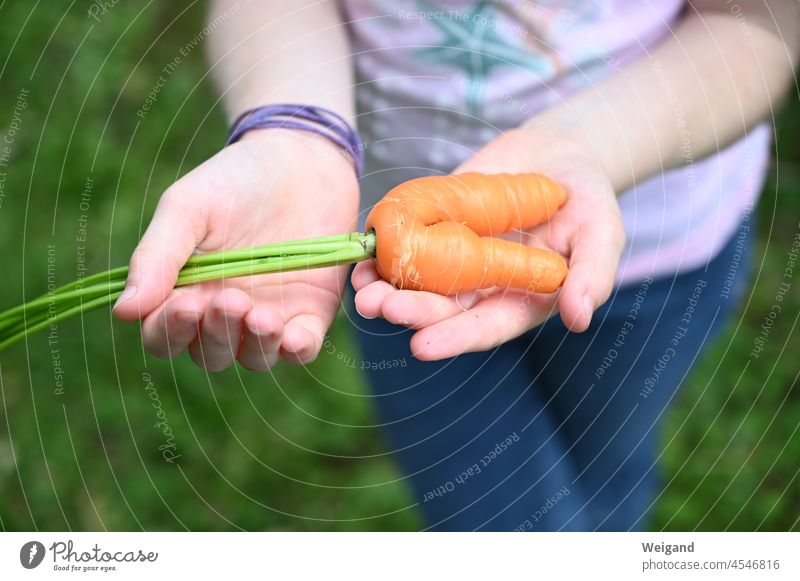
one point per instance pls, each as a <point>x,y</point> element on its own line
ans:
<point>294,450</point>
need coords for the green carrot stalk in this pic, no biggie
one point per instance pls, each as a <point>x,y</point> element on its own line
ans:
<point>103,289</point>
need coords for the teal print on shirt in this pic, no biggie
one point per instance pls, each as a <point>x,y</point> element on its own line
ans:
<point>475,42</point>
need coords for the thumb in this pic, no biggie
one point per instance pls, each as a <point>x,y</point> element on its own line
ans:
<point>174,232</point>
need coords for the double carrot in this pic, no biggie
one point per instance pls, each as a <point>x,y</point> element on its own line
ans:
<point>435,234</point>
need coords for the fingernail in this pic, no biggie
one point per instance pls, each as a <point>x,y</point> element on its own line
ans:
<point>127,294</point>
<point>465,300</point>
<point>363,316</point>
<point>262,333</point>
<point>588,306</point>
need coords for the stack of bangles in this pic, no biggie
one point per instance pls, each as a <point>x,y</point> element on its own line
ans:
<point>313,119</point>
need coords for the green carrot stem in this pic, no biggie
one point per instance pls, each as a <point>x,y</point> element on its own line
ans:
<point>344,252</point>
<point>115,274</point>
<point>7,341</point>
<point>320,245</point>
<point>31,313</point>
<point>104,288</point>
<point>311,246</point>
<point>51,301</point>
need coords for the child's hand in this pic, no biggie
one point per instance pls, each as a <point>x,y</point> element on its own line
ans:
<point>588,230</point>
<point>271,186</point>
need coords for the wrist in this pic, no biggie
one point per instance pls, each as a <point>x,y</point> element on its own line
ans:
<point>314,150</point>
<point>565,134</point>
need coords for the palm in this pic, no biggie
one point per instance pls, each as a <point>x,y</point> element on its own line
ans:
<point>255,216</point>
<point>251,193</point>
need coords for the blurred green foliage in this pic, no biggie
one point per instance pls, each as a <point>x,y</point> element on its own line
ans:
<point>292,450</point>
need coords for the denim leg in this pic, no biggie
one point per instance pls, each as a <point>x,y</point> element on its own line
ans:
<point>611,386</point>
<point>470,436</point>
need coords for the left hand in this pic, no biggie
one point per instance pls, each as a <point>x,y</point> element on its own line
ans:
<point>587,230</point>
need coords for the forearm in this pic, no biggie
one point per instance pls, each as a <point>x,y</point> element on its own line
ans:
<point>280,51</point>
<point>701,89</point>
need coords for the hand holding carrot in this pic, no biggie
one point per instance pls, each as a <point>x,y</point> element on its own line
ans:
<point>587,230</point>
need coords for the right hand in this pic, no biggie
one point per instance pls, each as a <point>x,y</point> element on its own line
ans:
<point>588,230</point>
<point>273,185</point>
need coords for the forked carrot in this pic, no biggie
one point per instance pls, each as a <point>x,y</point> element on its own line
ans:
<point>438,233</point>
<point>434,234</point>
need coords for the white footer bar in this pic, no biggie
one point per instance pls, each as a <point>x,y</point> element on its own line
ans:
<point>389,556</point>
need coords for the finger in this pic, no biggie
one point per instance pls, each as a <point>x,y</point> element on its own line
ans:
<point>595,257</point>
<point>418,309</point>
<point>167,332</point>
<point>221,331</point>
<point>369,300</point>
<point>302,338</point>
<point>263,330</point>
<point>491,322</point>
<point>364,273</point>
<point>174,232</point>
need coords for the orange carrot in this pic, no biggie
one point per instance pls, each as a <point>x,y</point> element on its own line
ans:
<point>436,233</point>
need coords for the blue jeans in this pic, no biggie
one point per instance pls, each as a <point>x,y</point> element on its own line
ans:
<point>554,430</point>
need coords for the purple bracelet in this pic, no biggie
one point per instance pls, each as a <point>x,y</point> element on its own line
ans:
<point>317,120</point>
